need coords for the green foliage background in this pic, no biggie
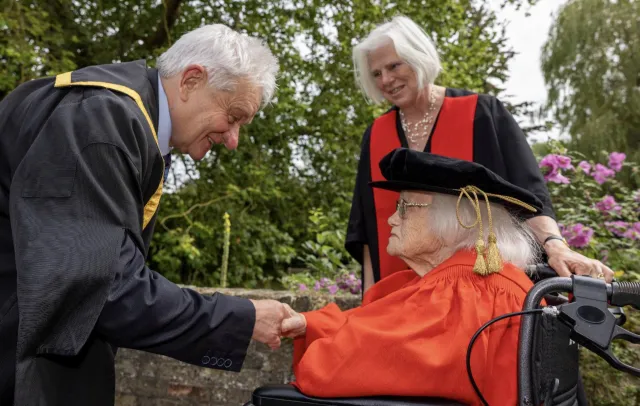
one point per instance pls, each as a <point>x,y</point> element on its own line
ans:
<point>288,187</point>
<point>300,156</point>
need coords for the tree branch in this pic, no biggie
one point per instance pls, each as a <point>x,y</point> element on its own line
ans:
<point>186,213</point>
<point>169,17</point>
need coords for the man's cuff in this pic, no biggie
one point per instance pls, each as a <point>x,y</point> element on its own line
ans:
<point>232,333</point>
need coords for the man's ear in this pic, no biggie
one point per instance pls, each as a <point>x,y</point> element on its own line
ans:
<point>193,78</point>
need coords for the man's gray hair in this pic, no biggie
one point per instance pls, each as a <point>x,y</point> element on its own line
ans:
<point>411,43</point>
<point>516,241</point>
<point>228,56</point>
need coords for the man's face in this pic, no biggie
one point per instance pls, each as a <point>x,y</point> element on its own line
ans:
<point>202,116</point>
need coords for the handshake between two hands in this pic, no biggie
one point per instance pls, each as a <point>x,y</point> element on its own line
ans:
<point>275,320</point>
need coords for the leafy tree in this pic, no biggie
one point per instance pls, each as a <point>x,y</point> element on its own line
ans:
<point>591,64</point>
<point>300,156</point>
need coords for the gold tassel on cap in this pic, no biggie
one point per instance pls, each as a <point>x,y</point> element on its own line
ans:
<point>493,262</point>
<point>480,267</point>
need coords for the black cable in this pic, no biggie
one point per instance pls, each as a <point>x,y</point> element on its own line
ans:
<point>477,334</point>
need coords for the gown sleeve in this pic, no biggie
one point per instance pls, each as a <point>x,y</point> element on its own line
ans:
<point>145,311</point>
<point>413,342</point>
<point>356,229</point>
<point>520,163</point>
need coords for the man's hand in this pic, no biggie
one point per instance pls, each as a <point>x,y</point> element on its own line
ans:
<point>295,325</point>
<point>566,262</point>
<point>269,317</point>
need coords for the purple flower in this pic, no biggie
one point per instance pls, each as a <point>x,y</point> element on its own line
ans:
<point>616,159</point>
<point>601,173</point>
<point>550,161</point>
<point>607,204</point>
<point>564,162</point>
<point>585,166</point>
<point>324,282</point>
<point>357,287</point>
<point>302,287</point>
<point>633,232</point>
<point>578,236</point>
<point>333,289</point>
<point>317,286</point>
<point>556,177</point>
<point>617,228</point>
<point>554,163</point>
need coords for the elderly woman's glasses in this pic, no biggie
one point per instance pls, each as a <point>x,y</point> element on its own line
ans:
<point>401,206</point>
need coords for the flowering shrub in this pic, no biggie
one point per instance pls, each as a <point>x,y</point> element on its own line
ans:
<point>343,282</point>
<point>598,214</point>
<point>329,268</point>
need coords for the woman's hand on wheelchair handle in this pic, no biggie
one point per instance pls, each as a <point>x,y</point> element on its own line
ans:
<point>566,262</point>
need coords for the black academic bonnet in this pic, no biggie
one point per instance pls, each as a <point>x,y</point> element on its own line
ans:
<point>407,169</point>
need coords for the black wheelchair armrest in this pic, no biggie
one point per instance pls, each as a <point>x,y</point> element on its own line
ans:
<point>289,395</point>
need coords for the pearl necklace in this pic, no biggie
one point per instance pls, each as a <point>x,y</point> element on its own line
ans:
<point>419,130</point>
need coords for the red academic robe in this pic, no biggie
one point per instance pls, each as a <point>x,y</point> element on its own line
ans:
<point>410,336</point>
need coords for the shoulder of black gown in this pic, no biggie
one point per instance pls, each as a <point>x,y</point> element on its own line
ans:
<point>453,92</point>
<point>501,145</point>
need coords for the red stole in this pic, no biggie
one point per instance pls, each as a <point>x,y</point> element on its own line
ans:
<point>453,137</point>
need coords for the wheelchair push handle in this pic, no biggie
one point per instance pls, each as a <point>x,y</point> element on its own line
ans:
<point>592,324</point>
<point>625,294</point>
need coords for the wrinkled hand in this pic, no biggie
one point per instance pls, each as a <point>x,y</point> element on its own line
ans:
<point>269,317</point>
<point>295,325</point>
<point>566,262</point>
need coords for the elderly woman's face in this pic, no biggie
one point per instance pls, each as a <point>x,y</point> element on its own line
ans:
<point>410,233</point>
<point>395,79</point>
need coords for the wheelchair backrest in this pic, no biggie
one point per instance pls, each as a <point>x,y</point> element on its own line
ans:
<point>555,374</point>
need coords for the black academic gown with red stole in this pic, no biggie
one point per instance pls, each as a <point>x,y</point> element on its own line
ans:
<point>469,126</point>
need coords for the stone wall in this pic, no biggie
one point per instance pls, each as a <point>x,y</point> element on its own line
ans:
<point>151,380</point>
<point>144,379</point>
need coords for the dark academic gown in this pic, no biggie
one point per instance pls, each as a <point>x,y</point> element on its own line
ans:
<point>469,126</point>
<point>410,337</point>
<point>81,176</point>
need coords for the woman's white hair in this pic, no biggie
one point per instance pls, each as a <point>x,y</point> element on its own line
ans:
<point>515,240</point>
<point>228,56</point>
<point>411,43</point>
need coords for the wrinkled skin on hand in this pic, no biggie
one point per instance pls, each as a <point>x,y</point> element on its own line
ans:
<point>567,262</point>
<point>295,325</point>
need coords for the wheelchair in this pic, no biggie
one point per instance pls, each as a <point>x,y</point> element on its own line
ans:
<point>548,354</point>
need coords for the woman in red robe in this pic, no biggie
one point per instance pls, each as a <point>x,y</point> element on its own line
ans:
<point>410,335</point>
